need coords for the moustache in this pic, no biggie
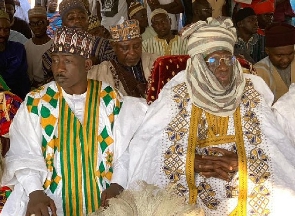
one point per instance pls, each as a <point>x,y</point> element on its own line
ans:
<point>60,75</point>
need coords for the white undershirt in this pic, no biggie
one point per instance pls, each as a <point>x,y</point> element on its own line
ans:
<point>76,104</point>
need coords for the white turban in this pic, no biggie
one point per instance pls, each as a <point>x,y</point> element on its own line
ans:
<point>207,37</point>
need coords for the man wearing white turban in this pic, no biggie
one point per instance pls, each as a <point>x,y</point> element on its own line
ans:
<point>212,134</point>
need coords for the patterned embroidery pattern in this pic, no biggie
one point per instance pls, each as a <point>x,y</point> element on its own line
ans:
<point>259,201</point>
<point>202,130</point>
<point>252,126</point>
<point>258,161</point>
<point>258,169</point>
<point>207,194</point>
<point>173,163</point>
<point>181,96</point>
<point>176,130</point>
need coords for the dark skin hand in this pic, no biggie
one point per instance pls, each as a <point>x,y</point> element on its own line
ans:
<point>112,191</point>
<point>39,203</point>
<point>217,166</point>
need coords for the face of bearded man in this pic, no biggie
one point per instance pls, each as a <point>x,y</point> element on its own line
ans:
<point>4,33</point>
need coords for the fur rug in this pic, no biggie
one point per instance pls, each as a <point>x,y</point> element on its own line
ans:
<point>149,200</point>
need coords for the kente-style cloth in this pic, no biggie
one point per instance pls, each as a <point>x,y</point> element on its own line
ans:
<point>66,5</point>
<point>125,31</point>
<point>162,152</point>
<point>279,34</point>
<point>37,11</point>
<point>131,81</point>
<point>284,111</point>
<point>271,75</point>
<point>205,90</point>
<point>4,15</point>
<point>93,22</point>
<point>73,41</point>
<point>70,153</point>
<point>134,8</point>
<point>176,46</point>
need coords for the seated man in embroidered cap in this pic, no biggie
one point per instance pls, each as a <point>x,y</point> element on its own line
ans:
<point>62,153</point>
<point>74,15</point>
<point>165,43</point>
<point>13,61</point>
<point>213,135</point>
<point>138,12</point>
<point>278,68</point>
<point>131,68</point>
<point>250,44</point>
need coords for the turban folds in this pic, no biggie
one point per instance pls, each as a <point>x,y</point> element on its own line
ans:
<point>207,37</point>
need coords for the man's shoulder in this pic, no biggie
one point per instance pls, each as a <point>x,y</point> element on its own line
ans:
<point>15,44</point>
<point>263,63</point>
<point>287,100</point>
<point>47,89</point>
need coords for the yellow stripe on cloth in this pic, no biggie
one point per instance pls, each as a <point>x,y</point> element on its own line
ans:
<point>193,142</point>
<point>241,208</point>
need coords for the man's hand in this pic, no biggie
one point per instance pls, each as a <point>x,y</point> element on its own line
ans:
<point>217,166</point>
<point>112,191</point>
<point>39,203</point>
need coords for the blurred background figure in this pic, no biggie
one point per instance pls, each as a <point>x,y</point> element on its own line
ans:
<point>95,28</point>
<point>53,17</point>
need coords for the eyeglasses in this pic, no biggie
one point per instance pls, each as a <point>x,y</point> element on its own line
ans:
<point>214,62</point>
<point>38,23</point>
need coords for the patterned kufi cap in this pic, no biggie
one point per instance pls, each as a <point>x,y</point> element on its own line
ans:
<point>73,41</point>
<point>93,22</point>
<point>4,15</point>
<point>66,5</point>
<point>37,11</point>
<point>134,8</point>
<point>158,11</point>
<point>128,30</point>
<point>205,37</point>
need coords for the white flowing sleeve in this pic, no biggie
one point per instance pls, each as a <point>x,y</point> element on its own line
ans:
<point>24,161</point>
<point>130,118</point>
